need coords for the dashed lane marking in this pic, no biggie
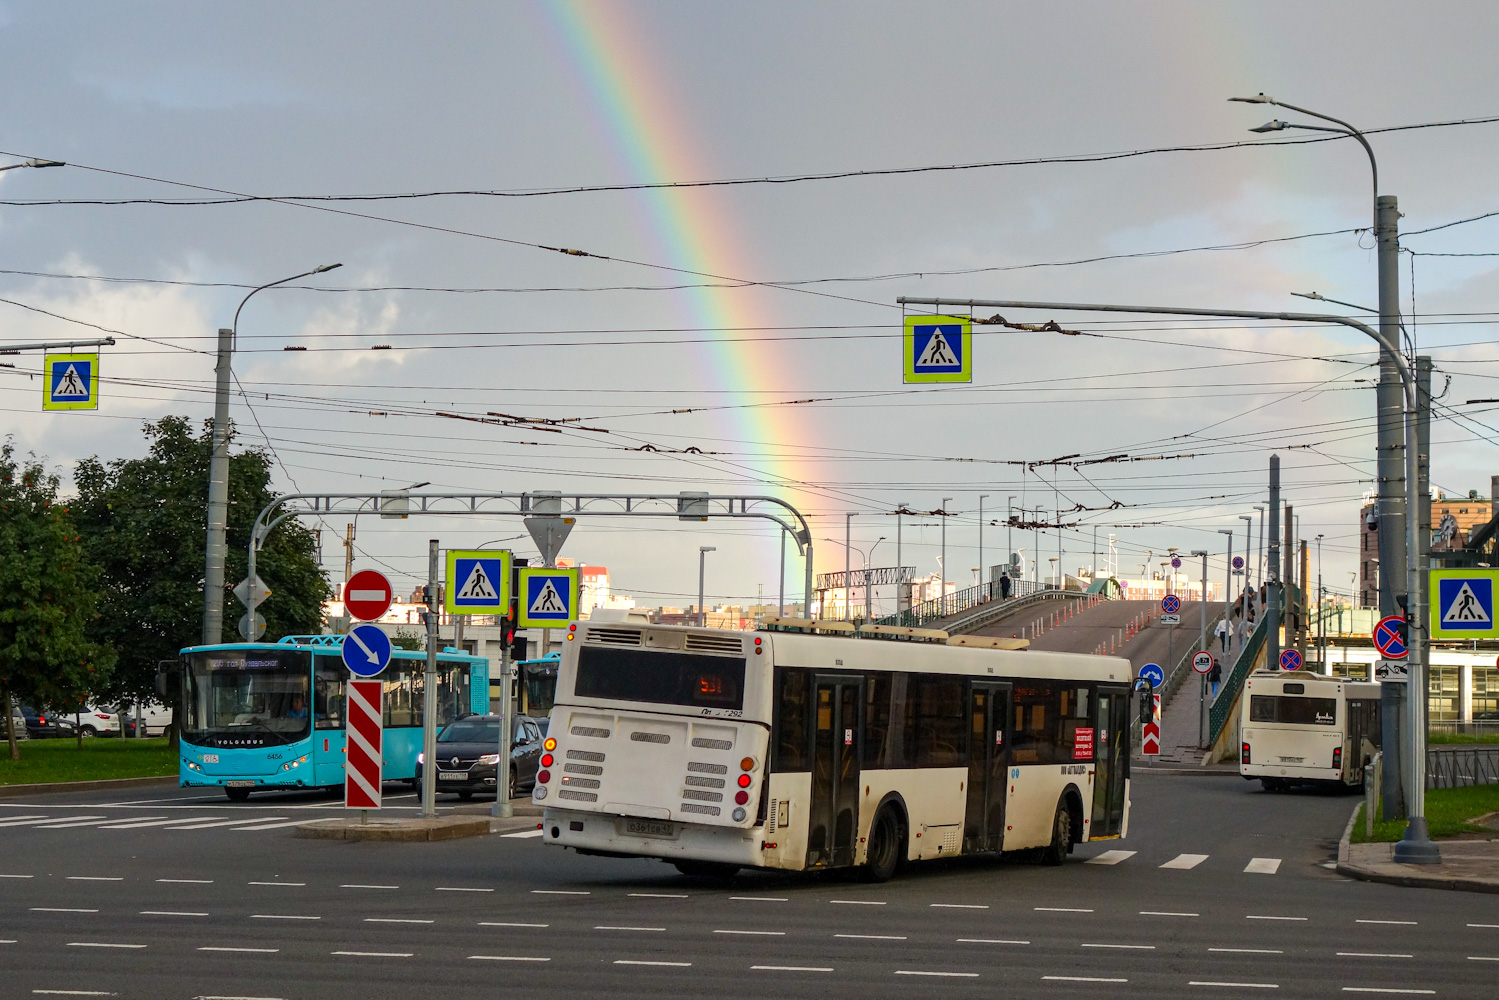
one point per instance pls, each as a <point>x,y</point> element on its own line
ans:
<point>397,920</point>
<point>1249,951</point>
<point>1398,923</point>
<point>1258,916</point>
<point>1386,989</point>
<point>661,895</point>
<point>1183,862</point>
<point>790,968</point>
<point>1371,954</point>
<point>1471,958</point>
<point>858,902</point>
<point>1166,913</point>
<point>357,886</point>
<point>96,878</point>
<point>374,954</point>
<point>1086,979</point>
<point>609,927</point>
<point>1110,858</point>
<point>1247,986</point>
<point>171,913</point>
<point>253,951</point>
<point>507,958</point>
<point>988,941</point>
<point>1491,926</point>
<point>460,888</point>
<point>959,906</point>
<point>1060,909</point>
<point>1122,947</point>
<point>74,993</point>
<point>873,937</point>
<point>501,923</point>
<point>755,933</point>
<point>277,883</point>
<point>33,876</point>
<point>1262,866</point>
<point>187,881</point>
<point>102,944</point>
<point>761,899</point>
<point>561,892</point>
<point>637,961</point>
<point>952,975</point>
<point>60,909</point>
<point>282,916</point>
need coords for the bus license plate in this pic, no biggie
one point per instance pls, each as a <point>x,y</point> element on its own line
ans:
<point>239,784</point>
<point>647,828</point>
<point>452,775</point>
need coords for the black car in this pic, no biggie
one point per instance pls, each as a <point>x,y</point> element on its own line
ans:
<point>468,749</point>
<point>46,725</point>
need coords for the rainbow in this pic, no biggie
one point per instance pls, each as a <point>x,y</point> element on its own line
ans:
<point>635,108</point>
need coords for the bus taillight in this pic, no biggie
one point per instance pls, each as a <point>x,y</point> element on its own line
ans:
<point>543,776</point>
<point>1244,753</point>
<point>1337,757</point>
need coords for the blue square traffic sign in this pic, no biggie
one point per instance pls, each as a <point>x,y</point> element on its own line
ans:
<point>1463,604</point>
<point>938,349</point>
<point>477,582</point>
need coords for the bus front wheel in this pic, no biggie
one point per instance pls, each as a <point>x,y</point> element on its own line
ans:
<point>886,838</point>
<point>1061,837</point>
<point>237,794</point>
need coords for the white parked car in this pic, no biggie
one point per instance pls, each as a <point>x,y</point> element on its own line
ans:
<point>158,718</point>
<point>98,720</point>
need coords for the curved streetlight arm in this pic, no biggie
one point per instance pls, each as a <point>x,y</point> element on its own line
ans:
<point>305,274</point>
<point>1346,129</point>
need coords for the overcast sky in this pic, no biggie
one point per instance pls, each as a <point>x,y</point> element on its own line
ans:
<point>174,101</point>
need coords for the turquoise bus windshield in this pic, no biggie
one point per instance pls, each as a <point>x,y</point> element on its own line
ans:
<point>247,697</point>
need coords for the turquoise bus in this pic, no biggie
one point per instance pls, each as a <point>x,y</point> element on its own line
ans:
<point>537,691</point>
<point>263,715</point>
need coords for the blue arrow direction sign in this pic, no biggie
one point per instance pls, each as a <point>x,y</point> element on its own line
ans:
<point>1290,659</point>
<point>366,650</point>
<point>1389,637</point>
<point>1171,604</point>
<point>1153,673</point>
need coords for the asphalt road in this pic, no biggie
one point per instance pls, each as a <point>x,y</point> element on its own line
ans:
<point>94,902</point>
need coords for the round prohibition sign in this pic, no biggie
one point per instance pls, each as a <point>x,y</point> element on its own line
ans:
<point>1202,661</point>
<point>1171,604</point>
<point>1389,638</point>
<point>1290,660</point>
<point>1238,562</point>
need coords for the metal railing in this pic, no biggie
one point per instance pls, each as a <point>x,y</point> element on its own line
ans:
<point>978,617</point>
<point>1228,691</point>
<point>1461,767</point>
<point>962,600</point>
<point>1182,669</point>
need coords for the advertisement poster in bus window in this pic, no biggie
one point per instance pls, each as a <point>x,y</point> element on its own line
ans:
<point>1082,744</point>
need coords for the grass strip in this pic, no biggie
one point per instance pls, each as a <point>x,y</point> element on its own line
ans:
<point>44,761</point>
<point>1447,813</point>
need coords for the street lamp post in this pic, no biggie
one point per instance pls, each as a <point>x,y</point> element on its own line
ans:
<point>218,474</point>
<point>942,586</point>
<point>702,564</point>
<point>1202,632</point>
<point>1010,534</point>
<point>33,163</point>
<point>1228,587</point>
<point>982,498</point>
<point>1248,520</point>
<point>1417,846</point>
<point>868,580</point>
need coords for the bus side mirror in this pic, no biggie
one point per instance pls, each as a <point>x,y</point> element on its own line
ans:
<point>168,682</point>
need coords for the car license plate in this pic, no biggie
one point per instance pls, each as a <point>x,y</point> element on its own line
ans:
<point>647,828</point>
<point>452,775</point>
<point>239,784</point>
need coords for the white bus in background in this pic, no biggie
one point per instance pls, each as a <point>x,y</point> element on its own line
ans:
<point>1298,726</point>
<point>804,746</point>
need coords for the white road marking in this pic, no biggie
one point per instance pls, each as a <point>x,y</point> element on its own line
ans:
<point>281,916</point>
<point>635,961</point>
<point>459,888</point>
<point>755,933</point>
<point>135,823</point>
<point>8,941</point>
<point>355,886</point>
<point>1262,866</point>
<point>1250,951</point>
<point>761,899</point>
<point>858,902</point>
<point>59,909</point>
<point>257,951</point>
<point>1185,861</point>
<point>499,923</point>
<point>1110,857</point>
<point>374,954</point>
<point>1471,958</point>
<point>507,958</point>
<point>1376,989</point>
<point>1247,986</point>
<point>608,927</point>
<point>237,998</point>
<point>96,878</point>
<point>258,827</point>
<point>47,819</point>
<point>873,937</point>
<point>1059,909</point>
<point>561,892</point>
<point>1166,913</point>
<point>661,895</point>
<point>989,941</point>
<point>171,913</point>
<point>1470,925</point>
<point>101,944</point>
<point>209,824</point>
<point>187,881</point>
<point>1086,979</point>
<point>33,876</point>
<point>959,906</point>
<point>1126,947</point>
<point>74,993</point>
<point>397,920</point>
<point>790,968</point>
<point>953,975</point>
<point>1370,954</point>
<point>1400,923</point>
<point>1256,916</point>
<point>276,883</point>
<point>16,819</point>
<point>523,834</point>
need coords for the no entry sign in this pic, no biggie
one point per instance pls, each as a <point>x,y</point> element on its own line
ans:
<point>367,595</point>
<point>365,739</point>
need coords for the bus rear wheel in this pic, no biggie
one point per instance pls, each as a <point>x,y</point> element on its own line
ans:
<point>237,794</point>
<point>1061,836</point>
<point>885,840</point>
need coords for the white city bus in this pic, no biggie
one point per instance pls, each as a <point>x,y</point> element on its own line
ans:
<point>802,746</point>
<point>1303,727</point>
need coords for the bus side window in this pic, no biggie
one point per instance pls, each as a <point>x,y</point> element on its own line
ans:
<point>878,737</point>
<point>941,729</point>
<point>1038,724</point>
<point>403,693</point>
<point>792,710</point>
<point>328,693</point>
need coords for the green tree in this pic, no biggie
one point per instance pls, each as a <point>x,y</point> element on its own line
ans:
<point>47,601</point>
<point>144,523</point>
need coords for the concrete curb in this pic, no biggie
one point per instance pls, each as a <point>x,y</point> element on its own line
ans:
<point>1137,769</point>
<point>13,791</point>
<point>1450,882</point>
<point>415,829</point>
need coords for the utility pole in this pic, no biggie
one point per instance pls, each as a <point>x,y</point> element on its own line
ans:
<point>429,693</point>
<point>942,589</point>
<point>982,567</point>
<point>349,552</point>
<point>1228,589</point>
<point>218,497</point>
<point>1272,570</point>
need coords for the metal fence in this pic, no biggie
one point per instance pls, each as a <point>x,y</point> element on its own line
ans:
<point>961,600</point>
<point>1461,767</point>
<point>1228,691</point>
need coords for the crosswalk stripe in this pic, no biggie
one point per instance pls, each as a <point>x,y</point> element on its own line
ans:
<point>134,822</point>
<point>224,822</point>
<point>269,826</point>
<point>1263,866</point>
<point>1110,858</point>
<point>44,819</point>
<point>72,822</point>
<point>1186,861</point>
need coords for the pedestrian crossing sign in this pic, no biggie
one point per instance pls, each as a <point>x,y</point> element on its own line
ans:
<point>70,382</point>
<point>548,597</point>
<point>938,349</point>
<point>1462,603</point>
<point>477,582</point>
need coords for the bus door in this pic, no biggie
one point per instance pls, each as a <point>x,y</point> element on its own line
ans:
<point>988,764</point>
<point>1111,751</point>
<point>833,832</point>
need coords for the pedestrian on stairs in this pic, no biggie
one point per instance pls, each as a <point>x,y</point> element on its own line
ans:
<point>1221,631</point>
<point>1215,676</point>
